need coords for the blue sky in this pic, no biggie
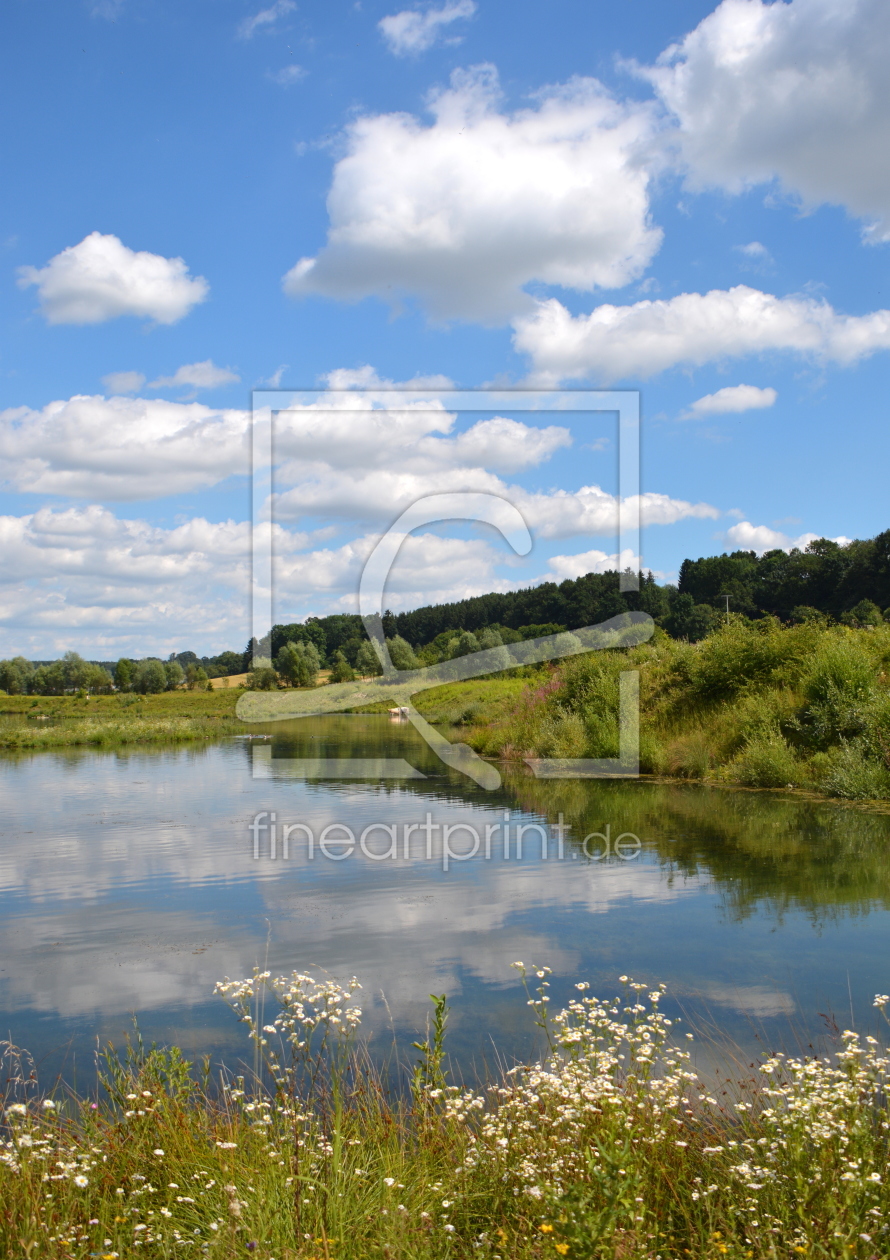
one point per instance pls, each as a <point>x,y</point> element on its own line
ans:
<point>688,200</point>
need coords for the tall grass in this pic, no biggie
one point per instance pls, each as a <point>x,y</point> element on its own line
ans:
<point>760,704</point>
<point>612,1146</point>
<point>103,732</point>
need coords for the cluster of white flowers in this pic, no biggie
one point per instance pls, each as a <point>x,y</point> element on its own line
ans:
<point>535,1130</point>
<point>29,1139</point>
<point>306,1005</point>
<point>616,1082</point>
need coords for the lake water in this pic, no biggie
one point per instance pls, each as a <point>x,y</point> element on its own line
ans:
<point>130,884</point>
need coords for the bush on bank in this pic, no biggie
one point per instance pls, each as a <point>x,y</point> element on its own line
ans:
<point>612,1146</point>
<point>758,703</point>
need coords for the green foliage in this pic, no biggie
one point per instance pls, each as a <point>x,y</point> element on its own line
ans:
<point>688,620</point>
<point>262,679</point>
<point>740,655</point>
<point>149,676</point>
<point>15,676</point>
<point>366,662</point>
<point>311,631</point>
<point>123,674</point>
<point>196,675</point>
<point>175,674</point>
<point>491,640</point>
<point>756,703</point>
<point>691,756</point>
<point>428,1073</point>
<point>464,645</point>
<point>70,673</point>
<point>766,761</point>
<point>839,690</point>
<point>401,653</point>
<point>804,613</point>
<point>865,613</point>
<point>298,663</point>
<point>341,670</point>
<point>541,630</point>
<point>854,775</point>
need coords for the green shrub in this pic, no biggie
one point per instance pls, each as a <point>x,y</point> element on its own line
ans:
<point>744,654</point>
<point>854,776</point>
<point>766,761</point>
<point>839,690</point>
<point>561,734</point>
<point>841,669</point>
<point>263,679</point>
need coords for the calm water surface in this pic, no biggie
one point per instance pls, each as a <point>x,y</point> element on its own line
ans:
<point>129,885</point>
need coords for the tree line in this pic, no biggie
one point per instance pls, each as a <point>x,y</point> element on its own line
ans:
<point>826,580</point>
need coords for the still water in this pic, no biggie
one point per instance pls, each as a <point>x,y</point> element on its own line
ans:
<point>131,882</point>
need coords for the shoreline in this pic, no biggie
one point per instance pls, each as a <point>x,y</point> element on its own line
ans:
<point>613,1145</point>
<point>116,721</point>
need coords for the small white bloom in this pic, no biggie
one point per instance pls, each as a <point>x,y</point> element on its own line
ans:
<point>158,1151</point>
<point>81,1180</point>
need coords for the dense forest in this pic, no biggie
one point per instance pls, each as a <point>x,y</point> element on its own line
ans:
<point>848,583</point>
<point>827,581</point>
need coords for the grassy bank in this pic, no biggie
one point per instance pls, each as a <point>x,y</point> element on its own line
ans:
<point>30,722</point>
<point>611,1147</point>
<point>758,704</point>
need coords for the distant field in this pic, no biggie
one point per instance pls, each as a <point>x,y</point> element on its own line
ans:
<point>59,721</point>
<point>233,680</point>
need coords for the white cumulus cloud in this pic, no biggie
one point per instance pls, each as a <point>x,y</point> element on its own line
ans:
<point>732,398</point>
<point>796,91</point>
<point>204,375</point>
<point>81,577</point>
<point>464,212</point>
<point>619,342</point>
<point>121,448</point>
<point>413,31</point>
<point>101,279</point>
<point>568,567</point>
<point>760,538</point>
